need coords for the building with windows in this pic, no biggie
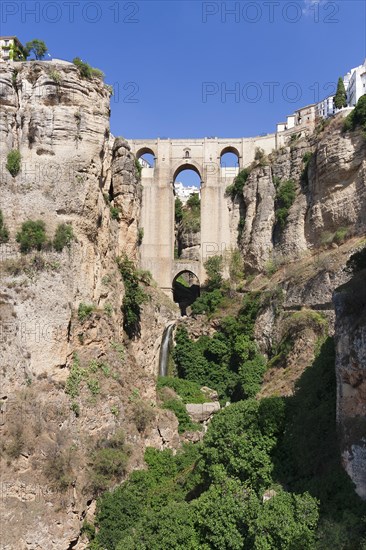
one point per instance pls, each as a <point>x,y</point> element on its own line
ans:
<point>11,49</point>
<point>355,86</point>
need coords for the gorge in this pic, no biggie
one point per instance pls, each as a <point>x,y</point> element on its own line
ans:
<point>101,445</point>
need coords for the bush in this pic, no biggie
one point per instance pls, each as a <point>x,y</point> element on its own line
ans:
<point>207,303</point>
<point>4,233</point>
<point>357,117</point>
<point>32,236</point>
<point>143,414</point>
<point>108,462</point>
<point>237,187</point>
<point>13,162</point>
<point>115,212</point>
<point>63,237</point>
<point>133,299</point>
<point>86,71</point>
<point>285,197</point>
<point>84,311</point>
<point>140,236</point>
<point>184,422</point>
<point>189,392</point>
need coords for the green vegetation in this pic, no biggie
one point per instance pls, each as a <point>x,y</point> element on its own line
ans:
<point>63,237</point>
<point>85,311</point>
<point>4,233</point>
<point>115,212</point>
<point>89,375</point>
<point>338,237</point>
<point>178,210</point>
<point>32,236</point>
<point>285,197</point>
<point>184,422</point>
<point>340,99</point>
<point>13,162</point>
<point>236,188</point>
<point>189,215</point>
<point>229,361</point>
<point>108,462</point>
<point>357,118</point>
<point>212,295</point>
<point>138,168</point>
<point>133,299</point>
<point>140,236</point>
<point>55,76</point>
<point>86,71</point>
<point>267,476</point>
<point>188,391</point>
<point>37,47</point>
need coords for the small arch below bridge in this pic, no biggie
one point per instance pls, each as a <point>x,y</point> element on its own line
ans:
<point>230,157</point>
<point>186,289</point>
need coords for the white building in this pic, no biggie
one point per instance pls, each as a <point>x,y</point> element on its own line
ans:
<point>11,49</point>
<point>183,193</point>
<point>356,84</point>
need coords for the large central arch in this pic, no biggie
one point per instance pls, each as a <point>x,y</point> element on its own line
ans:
<point>203,156</point>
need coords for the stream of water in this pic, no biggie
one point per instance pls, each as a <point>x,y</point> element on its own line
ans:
<point>164,350</point>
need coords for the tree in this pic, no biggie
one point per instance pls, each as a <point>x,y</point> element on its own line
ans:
<point>32,236</point>
<point>340,99</point>
<point>37,47</point>
<point>178,210</point>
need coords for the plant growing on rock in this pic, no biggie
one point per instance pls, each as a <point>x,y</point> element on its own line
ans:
<point>357,117</point>
<point>84,311</point>
<point>13,162</point>
<point>285,197</point>
<point>4,233</point>
<point>86,71</point>
<point>32,236</point>
<point>133,299</point>
<point>63,237</point>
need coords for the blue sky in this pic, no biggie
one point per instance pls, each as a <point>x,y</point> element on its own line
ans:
<point>173,63</point>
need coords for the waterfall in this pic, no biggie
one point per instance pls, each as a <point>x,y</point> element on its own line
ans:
<point>164,350</point>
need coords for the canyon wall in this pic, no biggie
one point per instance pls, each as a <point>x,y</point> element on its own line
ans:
<point>70,378</point>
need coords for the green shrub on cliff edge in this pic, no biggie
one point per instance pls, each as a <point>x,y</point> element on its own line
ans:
<point>357,117</point>
<point>32,236</point>
<point>4,233</point>
<point>86,71</point>
<point>13,162</point>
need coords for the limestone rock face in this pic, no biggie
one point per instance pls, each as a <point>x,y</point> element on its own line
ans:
<point>202,412</point>
<point>72,171</point>
<point>350,333</point>
<point>330,194</point>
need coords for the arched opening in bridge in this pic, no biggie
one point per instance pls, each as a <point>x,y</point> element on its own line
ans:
<point>146,157</point>
<point>187,226</point>
<point>229,158</point>
<point>186,290</point>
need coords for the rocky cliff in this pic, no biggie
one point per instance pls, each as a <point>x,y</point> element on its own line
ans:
<point>70,378</point>
<point>350,302</point>
<point>328,171</point>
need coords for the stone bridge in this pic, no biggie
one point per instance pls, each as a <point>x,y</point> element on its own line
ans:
<point>172,156</point>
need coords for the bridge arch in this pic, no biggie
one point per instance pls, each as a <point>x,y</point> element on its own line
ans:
<point>146,154</point>
<point>230,153</point>
<point>192,165</point>
<point>186,288</point>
